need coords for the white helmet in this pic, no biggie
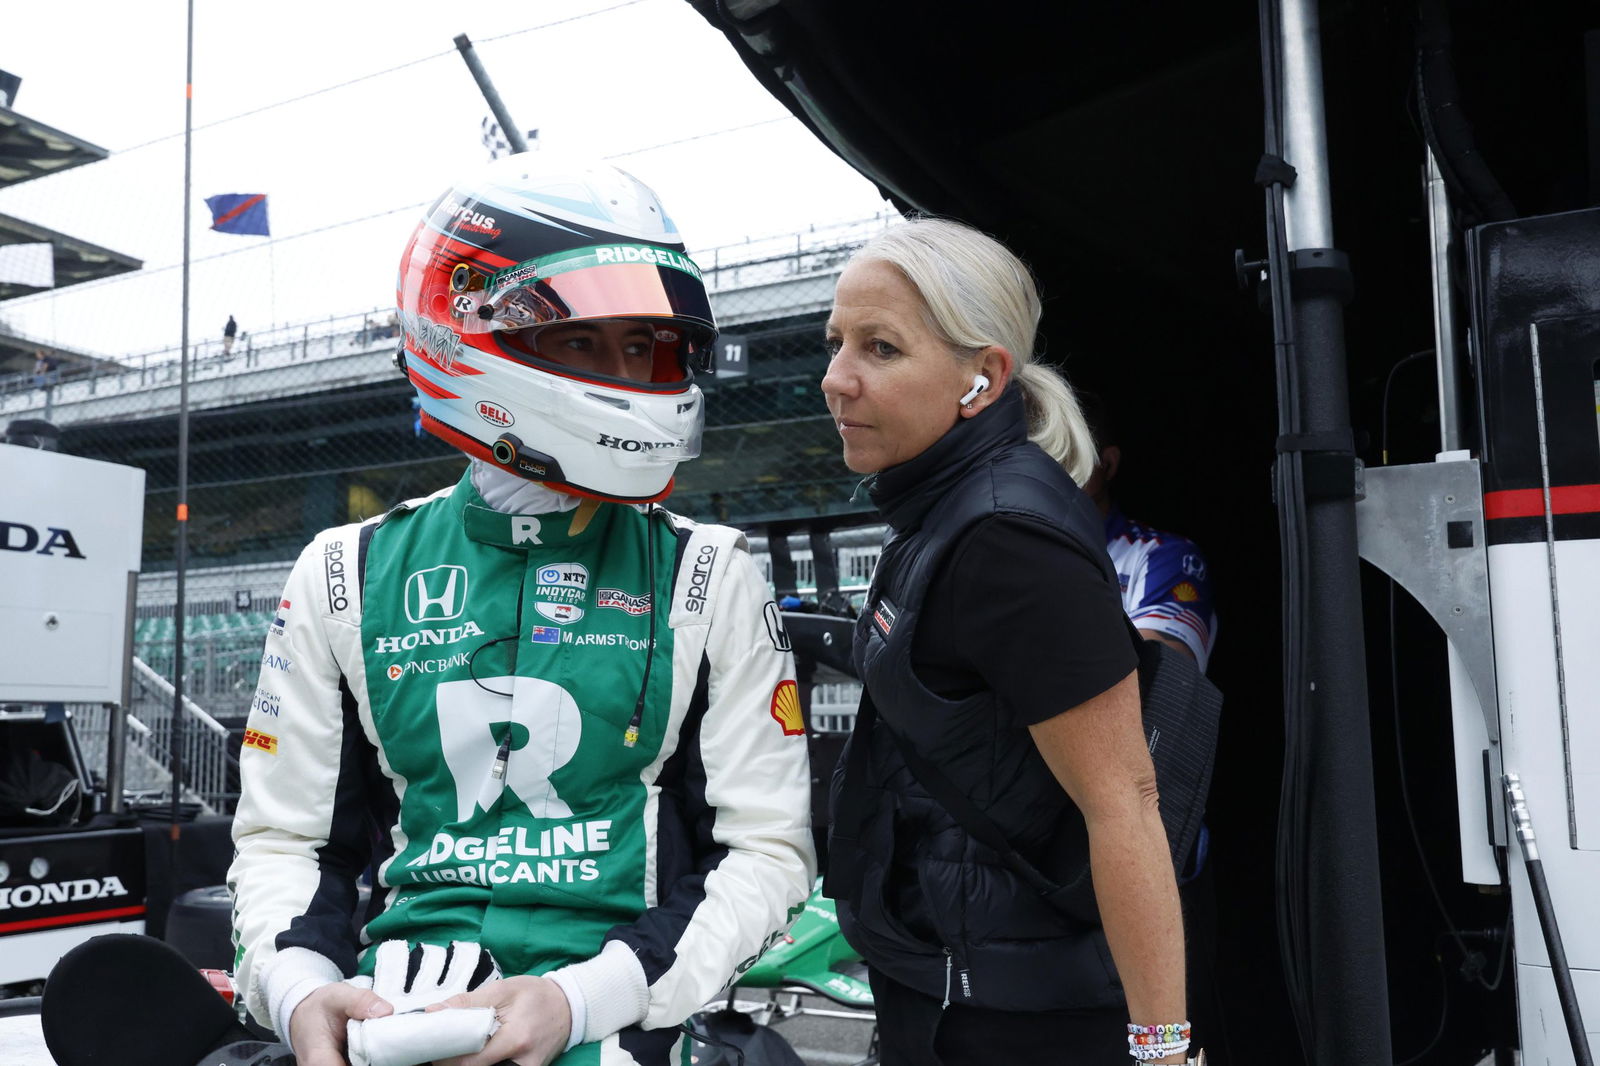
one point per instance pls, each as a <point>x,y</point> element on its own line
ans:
<point>527,243</point>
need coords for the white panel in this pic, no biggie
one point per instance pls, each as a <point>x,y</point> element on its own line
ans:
<point>1578,591</point>
<point>29,956</point>
<point>70,533</point>
<point>1530,722</point>
<point>1544,1028</point>
<point>1470,737</point>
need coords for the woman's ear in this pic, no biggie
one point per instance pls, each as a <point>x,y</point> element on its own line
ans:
<point>996,364</point>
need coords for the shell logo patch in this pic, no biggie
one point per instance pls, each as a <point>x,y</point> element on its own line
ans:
<point>1184,592</point>
<point>786,709</point>
<point>264,741</point>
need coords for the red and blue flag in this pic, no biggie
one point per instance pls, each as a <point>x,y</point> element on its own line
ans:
<point>239,212</point>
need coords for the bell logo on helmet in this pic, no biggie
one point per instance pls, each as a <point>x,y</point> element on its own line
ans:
<point>495,415</point>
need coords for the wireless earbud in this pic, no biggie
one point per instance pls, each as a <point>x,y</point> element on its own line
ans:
<point>979,383</point>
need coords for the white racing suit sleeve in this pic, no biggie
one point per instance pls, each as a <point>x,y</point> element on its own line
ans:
<point>745,783</point>
<point>300,836</point>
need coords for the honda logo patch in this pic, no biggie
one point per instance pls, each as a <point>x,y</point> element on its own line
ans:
<point>437,594</point>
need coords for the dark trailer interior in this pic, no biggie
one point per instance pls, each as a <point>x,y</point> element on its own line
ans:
<point>1115,147</point>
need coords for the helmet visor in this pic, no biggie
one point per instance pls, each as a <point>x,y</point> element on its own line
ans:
<point>599,281</point>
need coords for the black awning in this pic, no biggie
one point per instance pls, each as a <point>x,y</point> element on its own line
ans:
<point>30,149</point>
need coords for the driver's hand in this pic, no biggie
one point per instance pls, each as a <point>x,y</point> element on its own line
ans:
<point>318,1025</point>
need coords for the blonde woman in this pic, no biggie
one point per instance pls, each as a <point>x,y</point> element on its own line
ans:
<point>995,657</point>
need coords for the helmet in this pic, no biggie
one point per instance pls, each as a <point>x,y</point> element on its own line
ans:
<point>527,243</point>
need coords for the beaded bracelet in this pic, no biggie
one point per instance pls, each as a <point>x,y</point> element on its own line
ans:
<point>1146,1052</point>
<point>1180,1029</point>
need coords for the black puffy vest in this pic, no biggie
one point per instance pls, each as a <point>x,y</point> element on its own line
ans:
<point>935,909</point>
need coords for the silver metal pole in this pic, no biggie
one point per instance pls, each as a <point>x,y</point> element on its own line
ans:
<point>117,725</point>
<point>1441,241</point>
<point>501,115</point>
<point>1307,210</point>
<point>182,550</point>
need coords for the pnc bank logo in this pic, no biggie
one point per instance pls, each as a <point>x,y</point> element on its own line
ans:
<point>437,594</point>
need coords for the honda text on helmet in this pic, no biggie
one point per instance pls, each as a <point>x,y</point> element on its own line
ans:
<point>552,325</point>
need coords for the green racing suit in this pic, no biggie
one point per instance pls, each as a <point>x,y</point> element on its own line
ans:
<point>559,735</point>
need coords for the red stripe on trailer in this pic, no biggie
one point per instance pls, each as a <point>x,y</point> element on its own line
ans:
<point>1529,503</point>
<point>84,918</point>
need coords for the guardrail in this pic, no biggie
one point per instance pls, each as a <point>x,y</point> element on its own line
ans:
<point>210,767</point>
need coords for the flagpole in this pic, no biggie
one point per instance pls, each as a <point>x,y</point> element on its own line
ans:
<point>485,86</point>
<point>182,551</point>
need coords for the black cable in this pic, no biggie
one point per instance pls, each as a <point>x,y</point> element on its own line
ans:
<point>1444,1016</point>
<point>502,754</point>
<point>630,736</point>
<point>1288,484</point>
<point>473,656</point>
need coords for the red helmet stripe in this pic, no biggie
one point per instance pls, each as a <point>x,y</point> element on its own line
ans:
<point>429,387</point>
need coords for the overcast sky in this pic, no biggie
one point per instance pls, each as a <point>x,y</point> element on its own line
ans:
<point>601,78</point>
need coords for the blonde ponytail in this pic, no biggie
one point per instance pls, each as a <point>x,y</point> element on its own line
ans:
<point>1055,420</point>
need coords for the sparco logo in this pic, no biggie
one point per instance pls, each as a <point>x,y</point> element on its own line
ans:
<point>437,594</point>
<point>16,537</point>
<point>622,444</point>
<point>494,414</point>
<point>333,573</point>
<point>21,897</point>
<point>451,635</point>
<point>700,578</point>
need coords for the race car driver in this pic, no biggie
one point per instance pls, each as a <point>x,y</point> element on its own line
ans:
<point>552,718</point>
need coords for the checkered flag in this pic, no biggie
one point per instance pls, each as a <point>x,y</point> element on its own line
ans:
<point>495,140</point>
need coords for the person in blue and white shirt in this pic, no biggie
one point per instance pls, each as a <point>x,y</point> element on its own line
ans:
<point>1166,589</point>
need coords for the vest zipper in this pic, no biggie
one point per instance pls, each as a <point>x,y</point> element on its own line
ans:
<point>948,959</point>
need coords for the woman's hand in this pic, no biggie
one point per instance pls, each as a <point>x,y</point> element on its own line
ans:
<point>535,1022</point>
<point>318,1026</point>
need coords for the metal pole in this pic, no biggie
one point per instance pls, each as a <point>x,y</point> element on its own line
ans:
<point>1441,239</point>
<point>1308,213</point>
<point>501,115</point>
<point>117,724</point>
<point>1346,997</point>
<point>182,552</point>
